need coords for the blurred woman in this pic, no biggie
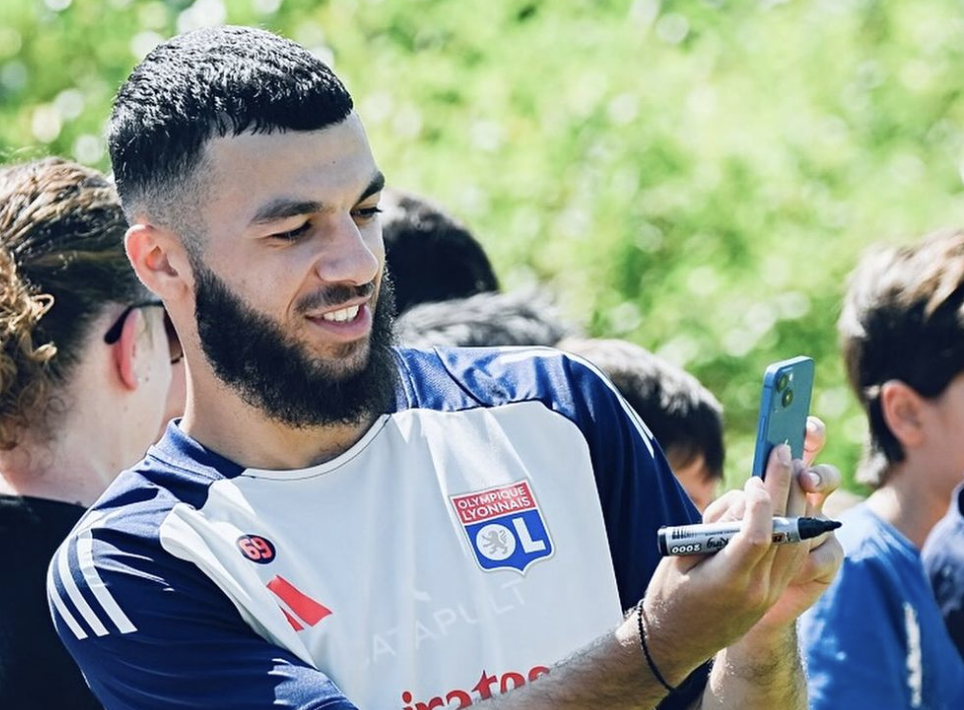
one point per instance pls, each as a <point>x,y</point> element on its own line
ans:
<point>85,367</point>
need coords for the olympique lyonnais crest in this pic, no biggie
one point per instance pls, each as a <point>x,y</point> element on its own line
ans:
<point>504,526</point>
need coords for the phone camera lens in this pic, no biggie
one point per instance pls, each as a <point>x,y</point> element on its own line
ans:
<point>787,398</point>
<point>782,382</point>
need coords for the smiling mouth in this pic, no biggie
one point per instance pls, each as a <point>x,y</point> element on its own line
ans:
<point>342,315</point>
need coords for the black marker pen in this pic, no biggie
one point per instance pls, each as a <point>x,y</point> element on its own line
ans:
<point>713,537</point>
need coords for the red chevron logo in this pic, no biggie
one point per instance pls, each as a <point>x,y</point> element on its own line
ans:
<point>297,606</point>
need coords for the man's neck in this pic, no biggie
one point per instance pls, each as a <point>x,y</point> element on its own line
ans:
<point>224,423</point>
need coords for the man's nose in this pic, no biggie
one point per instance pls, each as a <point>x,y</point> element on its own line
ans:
<point>347,257</point>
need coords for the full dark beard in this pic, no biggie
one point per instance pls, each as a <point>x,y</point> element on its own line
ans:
<point>276,374</point>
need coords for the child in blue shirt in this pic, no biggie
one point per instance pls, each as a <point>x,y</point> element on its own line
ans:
<point>876,639</point>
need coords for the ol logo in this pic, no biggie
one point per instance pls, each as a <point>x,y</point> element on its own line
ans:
<point>504,526</point>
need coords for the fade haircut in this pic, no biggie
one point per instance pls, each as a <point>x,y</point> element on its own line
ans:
<point>684,416</point>
<point>212,82</point>
<point>902,319</point>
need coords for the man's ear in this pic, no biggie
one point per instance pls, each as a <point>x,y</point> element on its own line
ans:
<point>126,349</point>
<point>904,412</point>
<point>158,259</point>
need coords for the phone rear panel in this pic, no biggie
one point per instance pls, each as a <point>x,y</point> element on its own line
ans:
<point>784,406</point>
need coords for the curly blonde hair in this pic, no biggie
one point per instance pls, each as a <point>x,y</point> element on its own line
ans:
<point>62,262</point>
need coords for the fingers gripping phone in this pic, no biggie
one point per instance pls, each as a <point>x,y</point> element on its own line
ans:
<point>784,406</point>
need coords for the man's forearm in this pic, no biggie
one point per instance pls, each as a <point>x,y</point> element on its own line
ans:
<point>610,673</point>
<point>758,674</point>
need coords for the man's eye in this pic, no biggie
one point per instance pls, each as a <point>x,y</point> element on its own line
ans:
<point>293,234</point>
<point>365,214</point>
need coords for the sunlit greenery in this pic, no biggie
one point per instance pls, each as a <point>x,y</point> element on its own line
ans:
<point>697,176</point>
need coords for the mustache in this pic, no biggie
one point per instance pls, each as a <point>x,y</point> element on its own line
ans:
<point>334,296</point>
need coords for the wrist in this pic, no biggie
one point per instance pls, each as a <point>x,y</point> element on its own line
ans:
<point>641,625</point>
<point>763,647</point>
<point>663,653</point>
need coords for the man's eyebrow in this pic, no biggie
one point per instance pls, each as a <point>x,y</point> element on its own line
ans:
<point>376,185</point>
<point>282,208</point>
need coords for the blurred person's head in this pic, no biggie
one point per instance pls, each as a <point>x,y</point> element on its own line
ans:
<point>525,317</point>
<point>431,256</point>
<point>902,340</point>
<point>253,197</point>
<point>85,361</point>
<point>684,416</point>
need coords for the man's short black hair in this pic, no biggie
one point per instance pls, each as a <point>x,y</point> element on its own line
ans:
<point>431,256</point>
<point>903,319</point>
<point>212,82</point>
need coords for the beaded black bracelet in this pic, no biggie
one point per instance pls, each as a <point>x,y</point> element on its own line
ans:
<point>642,642</point>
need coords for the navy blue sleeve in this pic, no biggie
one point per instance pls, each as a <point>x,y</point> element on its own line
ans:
<point>177,641</point>
<point>638,492</point>
<point>637,488</point>
<point>943,558</point>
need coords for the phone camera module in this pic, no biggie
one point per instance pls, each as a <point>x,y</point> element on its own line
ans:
<point>782,382</point>
<point>787,398</point>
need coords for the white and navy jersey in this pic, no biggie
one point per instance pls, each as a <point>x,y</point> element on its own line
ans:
<point>503,515</point>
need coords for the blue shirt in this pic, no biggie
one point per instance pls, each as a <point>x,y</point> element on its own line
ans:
<point>875,640</point>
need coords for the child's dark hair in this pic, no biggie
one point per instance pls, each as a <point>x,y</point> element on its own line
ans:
<point>431,256</point>
<point>903,319</point>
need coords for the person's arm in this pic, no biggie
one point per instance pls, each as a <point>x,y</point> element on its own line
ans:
<point>762,673</point>
<point>764,668</point>
<point>761,668</point>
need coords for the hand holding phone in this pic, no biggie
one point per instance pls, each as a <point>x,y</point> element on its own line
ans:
<point>784,407</point>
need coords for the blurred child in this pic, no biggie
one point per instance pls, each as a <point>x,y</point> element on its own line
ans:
<point>526,317</point>
<point>876,639</point>
<point>430,255</point>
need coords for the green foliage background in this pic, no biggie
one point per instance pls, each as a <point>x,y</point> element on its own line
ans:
<point>698,177</point>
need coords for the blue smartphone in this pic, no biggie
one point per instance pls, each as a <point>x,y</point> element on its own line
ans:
<point>784,406</point>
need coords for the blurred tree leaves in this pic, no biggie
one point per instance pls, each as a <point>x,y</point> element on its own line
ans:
<point>696,176</point>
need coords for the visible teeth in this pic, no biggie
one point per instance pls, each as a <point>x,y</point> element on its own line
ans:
<point>345,314</point>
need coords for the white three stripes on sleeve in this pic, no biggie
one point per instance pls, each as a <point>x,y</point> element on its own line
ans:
<point>84,542</point>
<point>61,607</point>
<point>85,557</point>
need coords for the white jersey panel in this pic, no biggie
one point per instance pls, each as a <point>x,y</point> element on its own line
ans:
<point>398,559</point>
